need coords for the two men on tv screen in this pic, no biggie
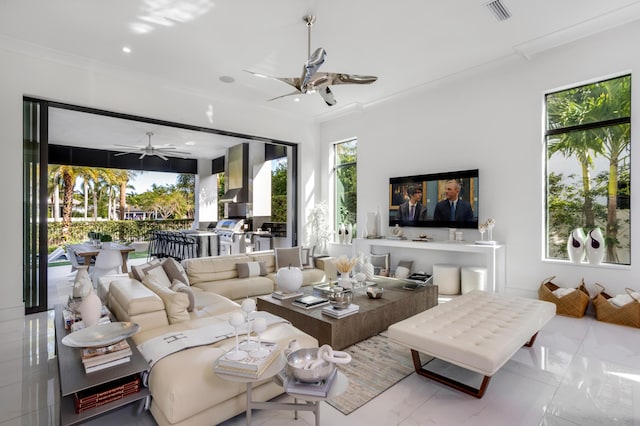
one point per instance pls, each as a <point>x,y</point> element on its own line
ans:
<point>451,209</point>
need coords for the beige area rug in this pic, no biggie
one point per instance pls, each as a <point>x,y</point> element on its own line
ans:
<point>377,364</point>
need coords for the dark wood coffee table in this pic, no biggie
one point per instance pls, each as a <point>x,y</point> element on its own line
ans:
<point>374,316</point>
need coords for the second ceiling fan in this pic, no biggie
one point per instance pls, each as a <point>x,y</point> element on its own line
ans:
<point>313,81</point>
<point>150,150</point>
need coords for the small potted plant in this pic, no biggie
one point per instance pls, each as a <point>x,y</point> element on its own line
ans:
<point>318,230</point>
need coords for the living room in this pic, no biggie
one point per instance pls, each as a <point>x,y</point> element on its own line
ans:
<point>490,118</point>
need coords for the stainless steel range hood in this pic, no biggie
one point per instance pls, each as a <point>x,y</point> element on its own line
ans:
<point>237,174</point>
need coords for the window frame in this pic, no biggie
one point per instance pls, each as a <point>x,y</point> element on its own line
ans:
<point>337,165</point>
<point>623,163</point>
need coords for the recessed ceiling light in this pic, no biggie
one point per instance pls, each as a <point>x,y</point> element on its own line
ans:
<point>296,99</point>
<point>227,79</point>
<point>126,49</point>
<point>190,143</point>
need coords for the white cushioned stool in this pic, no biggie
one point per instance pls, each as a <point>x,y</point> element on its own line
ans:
<point>473,278</point>
<point>478,331</point>
<point>447,278</point>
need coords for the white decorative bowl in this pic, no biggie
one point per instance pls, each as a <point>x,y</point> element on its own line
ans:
<point>289,280</point>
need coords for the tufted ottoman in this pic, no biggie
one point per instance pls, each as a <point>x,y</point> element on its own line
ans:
<point>478,331</point>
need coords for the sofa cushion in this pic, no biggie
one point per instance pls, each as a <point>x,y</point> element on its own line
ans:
<point>239,288</point>
<point>179,286</point>
<point>267,257</point>
<point>158,274</point>
<point>205,269</point>
<point>289,257</point>
<point>251,269</point>
<point>175,303</point>
<point>174,270</point>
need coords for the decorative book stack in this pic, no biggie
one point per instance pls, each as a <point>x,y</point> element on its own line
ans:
<point>340,313</point>
<point>250,366</point>
<point>318,389</point>
<point>281,295</point>
<point>101,357</point>
<point>308,302</point>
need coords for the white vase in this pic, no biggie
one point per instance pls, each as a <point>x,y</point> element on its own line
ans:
<point>575,245</point>
<point>348,233</point>
<point>368,268</point>
<point>372,219</point>
<point>91,309</point>
<point>82,284</point>
<point>344,281</point>
<point>594,246</point>
<point>341,231</point>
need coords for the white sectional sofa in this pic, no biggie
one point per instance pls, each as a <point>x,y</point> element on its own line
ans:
<point>184,389</point>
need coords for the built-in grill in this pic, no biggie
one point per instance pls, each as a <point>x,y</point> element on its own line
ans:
<point>231,236</point>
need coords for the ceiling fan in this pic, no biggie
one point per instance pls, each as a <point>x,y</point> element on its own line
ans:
<point>312,81</point>
<point>150,150</point>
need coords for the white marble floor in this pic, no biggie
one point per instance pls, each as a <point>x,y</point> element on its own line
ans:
<point>579,372</point>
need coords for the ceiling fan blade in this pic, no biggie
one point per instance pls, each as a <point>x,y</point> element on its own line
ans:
<point>128,146</point>
<point>327,95</point>
<point>339,78</point>
<point>284,96</point>
<point>142,156</point>
<point>123,153</point>
<point>294,82</point>
<point>312,65</point>
<point>161,156</point>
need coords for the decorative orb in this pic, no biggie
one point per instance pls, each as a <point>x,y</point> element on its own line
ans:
<point>289,280</point>
<point>248,305</point>
<point>236,319</point>
<point>402,272</point>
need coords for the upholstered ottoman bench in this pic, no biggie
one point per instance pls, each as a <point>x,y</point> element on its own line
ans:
<point>478,331</point>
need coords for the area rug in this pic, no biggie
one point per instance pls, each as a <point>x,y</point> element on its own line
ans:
<point>377,364</point>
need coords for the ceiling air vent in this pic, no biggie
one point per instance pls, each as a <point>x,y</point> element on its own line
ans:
<point>499,10</point>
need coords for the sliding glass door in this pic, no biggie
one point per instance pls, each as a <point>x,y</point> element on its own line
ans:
<point>34,202</point>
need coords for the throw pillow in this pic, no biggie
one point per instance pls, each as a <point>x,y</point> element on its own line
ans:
<point>137,271</point>
<point>406,264</point>
<point>380,263</point>
<point>180,287</point>
<point>157,271</point>
<point>174,270</point>
<point>251,269</point>
<point>288,257</point>
<point>175,304</point>
<point>307,259</point>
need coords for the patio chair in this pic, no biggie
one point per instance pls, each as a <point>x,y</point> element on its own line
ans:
<point>74,259</point>
<point>107,262</point>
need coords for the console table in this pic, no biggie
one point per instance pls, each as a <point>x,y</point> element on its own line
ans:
<point>73,378</point>
<point>490,257</point>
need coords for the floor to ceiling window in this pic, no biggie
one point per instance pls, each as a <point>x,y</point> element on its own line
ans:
<point>346,186</point>
<point>588,155</point>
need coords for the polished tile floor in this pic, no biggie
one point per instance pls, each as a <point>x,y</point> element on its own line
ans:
<point>579,372</point>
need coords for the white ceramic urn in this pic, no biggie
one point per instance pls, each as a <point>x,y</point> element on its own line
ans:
<point>90,309</point>
<point>594,246</point>
<point>575,245</point>
<point>289,279</point>
<point>82,284</point>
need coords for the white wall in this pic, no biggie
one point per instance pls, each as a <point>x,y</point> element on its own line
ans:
<point>44,74</point>
<point>492,119</point>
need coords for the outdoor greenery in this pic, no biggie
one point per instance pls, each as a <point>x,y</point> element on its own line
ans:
<point>346,182</point>
<point>588,128</point>
<point>96,208</point>
<point>279,193</point>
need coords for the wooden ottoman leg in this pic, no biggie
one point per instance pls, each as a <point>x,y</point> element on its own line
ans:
<point>469,390</point>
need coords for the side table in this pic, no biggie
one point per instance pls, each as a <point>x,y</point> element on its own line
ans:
<point>73,378</point>
<point>312,403</point>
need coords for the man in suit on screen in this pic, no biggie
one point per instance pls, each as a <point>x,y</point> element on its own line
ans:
<point>410,210</point>
<point>453,208</point>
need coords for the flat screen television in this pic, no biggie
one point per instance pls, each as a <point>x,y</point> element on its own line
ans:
<point>432,195</point>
